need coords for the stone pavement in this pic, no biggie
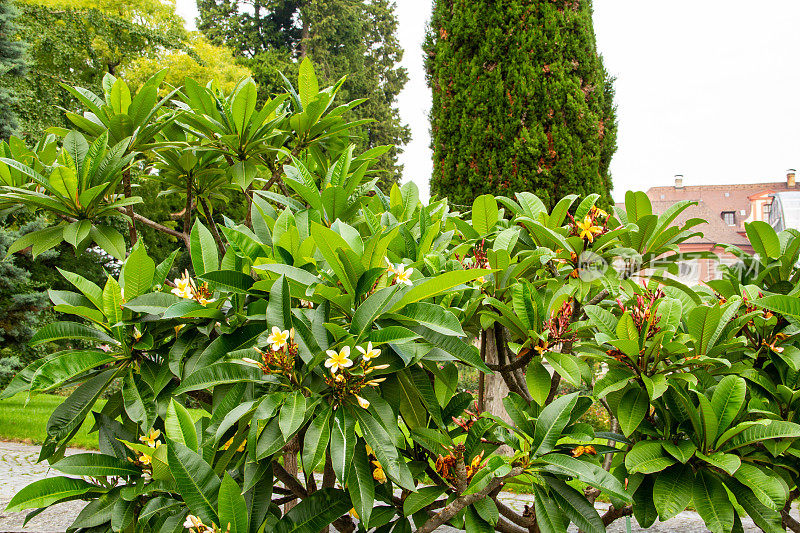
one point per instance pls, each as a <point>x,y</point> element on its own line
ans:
<point>18,468</point>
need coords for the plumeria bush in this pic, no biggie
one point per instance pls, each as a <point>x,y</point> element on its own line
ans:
<point>320,336</point>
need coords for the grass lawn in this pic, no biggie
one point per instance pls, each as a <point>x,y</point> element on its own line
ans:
<point>27,423</point>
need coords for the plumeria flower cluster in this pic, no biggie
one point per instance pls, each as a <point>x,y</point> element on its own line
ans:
<point>195,525</point>
<point>186,288</point>
<point>279,359</point>
<point>401,274</point>
<point>346,382</point>
<point>595,223</point>
<point>144,459</point>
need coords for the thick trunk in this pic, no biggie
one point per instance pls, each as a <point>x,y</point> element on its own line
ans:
<point>495,388</point>
<point>290,465</point>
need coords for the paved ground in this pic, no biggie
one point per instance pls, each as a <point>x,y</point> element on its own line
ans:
<point>18,468</point>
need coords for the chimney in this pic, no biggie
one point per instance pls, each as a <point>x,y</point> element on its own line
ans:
<point>679,181</point>
<point>790,178</point>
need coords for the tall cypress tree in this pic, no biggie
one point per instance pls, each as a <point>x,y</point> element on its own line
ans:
<point>12,64</point>
<point>521,100</point>
<point>353,38</point>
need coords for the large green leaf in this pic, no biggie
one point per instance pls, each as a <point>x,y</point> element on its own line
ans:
<point>588,473</point>
<point>203,250</point>
<point>315,512</point>
<point>361,485</point>
<point>316,439</point>
<point>647,457</point>
<point>196,481</point>
<point>632,409</point>
<point>727,401</point>
<point>343,441</point>
<point>538,380</point>
<point>711,501</point>
<point>551,422</point>
<point>763,430</point>
<point>137,273</point>
<point>139,401</point>
<point>763,239</point>
<point>292,413</point>
<point>766,486</point>
<point>45,492</point>
<point>219,374</point>
<point>71,413</point>
<point>179,426</point>
<point>381,443</point>
<point>232,507</point>
<point>69,330</point>
<point>438,285</point>
<point>548,516</point>
<point>230,280</point>
<point>672,490</point>
<point>575,506</point>
<point>96,465</point>
<point>484,213</point>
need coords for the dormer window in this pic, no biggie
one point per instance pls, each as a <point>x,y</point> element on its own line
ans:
<point>729,217</point>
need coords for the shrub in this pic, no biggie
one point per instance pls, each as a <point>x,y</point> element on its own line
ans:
<point>321,333</point>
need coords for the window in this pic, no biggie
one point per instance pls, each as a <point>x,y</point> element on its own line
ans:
<point>729,217</point>
<point>765,210</point>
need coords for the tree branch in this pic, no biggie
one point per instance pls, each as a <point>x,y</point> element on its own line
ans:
<point>509,513</point>
<point>614,513</point>
<point>212,225</point>
<point>449,511</point>
<point>158,227</point>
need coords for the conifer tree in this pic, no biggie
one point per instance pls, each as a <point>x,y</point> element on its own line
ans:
<point>521,100</point>
<point>356,38</point>
<point>12,64</point>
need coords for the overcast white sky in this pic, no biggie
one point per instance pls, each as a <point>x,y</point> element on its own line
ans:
<point>705,89</point>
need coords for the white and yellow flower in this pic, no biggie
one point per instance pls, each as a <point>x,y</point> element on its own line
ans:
<point>151,438</point>
<point>389,266</point>
<point>340,360</point>
<point>378,474</point>
<point>193,522</point>
<point>403,275</point>
<point>369,352</point>
<point>278,338</point>
<point>183,287</point>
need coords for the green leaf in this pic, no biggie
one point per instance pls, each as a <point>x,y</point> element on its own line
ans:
<point>203,250</point>
<point>766,486</point>
<point>65,366</point>
<point>196,481</point>
<point>432,316</point>
<point>724,461</point>
<point>780,303</point>
<point>361,485</point>
<point>242,107</point>
<point>231,280</point>
<point>307,81</point>
<point>575,506</point>
<point>548,515</point>
<point>179,426</point>
<point>484,214</point>
<point>343,441</point>
<point>137,273</point>
<point>71,413</point>
<point>538,379</point>
<point>96,465</point>
<point>219,374</point>
<point>139,401</point>
<point>765,518</point>
<point>314,513</point>
<point>152,303</point>
<point>727,400</point>
<point>568,366</point>
<point>551,423</point>
<point>631,410</point>
<point>109,240</point>
<point>422,498</point>
<point>69,330</point>
<point>672,490</point>
<point>647,457</point>
<point>763,239</point>
<point>232,507</point>
<point>588,473</point>
<point>381,443</point>
<point>438,285</point>
<point>712,503</point>
<point>292,414</point>
<point>46,492</point>
<point>316,439</point>
<point>763,430</point>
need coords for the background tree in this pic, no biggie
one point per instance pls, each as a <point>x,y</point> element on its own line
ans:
<point>521,100</point>
<point>356,38</point>
<point>12,64</point>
